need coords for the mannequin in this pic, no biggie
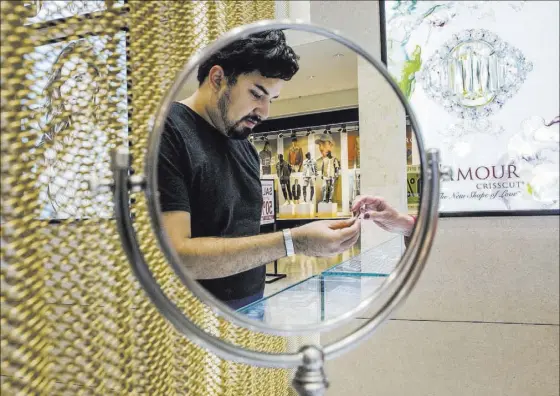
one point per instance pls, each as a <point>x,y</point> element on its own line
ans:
<point>309,174</point>
<point>296,191</point>
<point>266,159</point>
<point>329,173</point>
<point>295,155</point>
<point>284,170</point>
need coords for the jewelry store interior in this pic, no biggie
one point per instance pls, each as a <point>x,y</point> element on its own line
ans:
<point>280,198</point>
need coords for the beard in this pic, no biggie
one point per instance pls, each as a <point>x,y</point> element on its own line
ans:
<point>234,129</point>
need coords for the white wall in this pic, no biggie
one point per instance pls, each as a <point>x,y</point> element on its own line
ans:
<point>315,103</point>
<point>483,319</point>
<point>382,117</point>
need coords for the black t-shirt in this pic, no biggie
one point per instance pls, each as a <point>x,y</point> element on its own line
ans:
<point>217,180</point>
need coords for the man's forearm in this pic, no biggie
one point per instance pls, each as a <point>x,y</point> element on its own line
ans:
<point>209,258</point>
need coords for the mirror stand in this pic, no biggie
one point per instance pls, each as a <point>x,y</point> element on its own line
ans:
<point>310,378</point>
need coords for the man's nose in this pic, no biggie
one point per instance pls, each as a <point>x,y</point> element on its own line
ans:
<point>262,110</point>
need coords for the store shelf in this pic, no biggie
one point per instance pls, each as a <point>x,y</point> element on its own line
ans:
<point>342,217</point>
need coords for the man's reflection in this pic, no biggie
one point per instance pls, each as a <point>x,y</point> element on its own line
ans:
<point>209,176</point>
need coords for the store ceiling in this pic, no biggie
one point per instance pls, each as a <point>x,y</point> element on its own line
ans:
<point>325,66</point>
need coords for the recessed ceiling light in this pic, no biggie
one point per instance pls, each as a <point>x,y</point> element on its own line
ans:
<point>310,77</point>
<point>338,55</point>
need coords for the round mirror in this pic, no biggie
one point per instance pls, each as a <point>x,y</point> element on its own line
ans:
<point>284,173</point>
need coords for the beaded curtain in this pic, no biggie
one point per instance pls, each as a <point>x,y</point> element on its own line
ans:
<point>78,79</point>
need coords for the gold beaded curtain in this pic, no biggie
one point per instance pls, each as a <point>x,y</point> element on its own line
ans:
<point>79,78</point>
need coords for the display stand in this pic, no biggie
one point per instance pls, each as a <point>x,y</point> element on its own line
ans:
<point>287,211</point>
<point>304,209</point>
<point>275,275</point>
<point>327,209</point>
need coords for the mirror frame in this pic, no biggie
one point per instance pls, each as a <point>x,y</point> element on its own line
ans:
<point>385,299</point>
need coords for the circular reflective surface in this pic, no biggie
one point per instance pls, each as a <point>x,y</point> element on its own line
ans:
<point>286,139</point>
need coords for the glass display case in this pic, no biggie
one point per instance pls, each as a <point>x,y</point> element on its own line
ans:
<point>331,293</point>
<point>377,261</point>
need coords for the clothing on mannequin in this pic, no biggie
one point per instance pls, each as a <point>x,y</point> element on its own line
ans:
<point>308,181</point>
<point>296,191</point>
<point>295,156</point>
<point>286,191</point>
<point>328,189</point>
<point>309,174</point>
<point>329,174</point>
<point>331,166</point>
<point>309,166</point>
<point>284,170</point>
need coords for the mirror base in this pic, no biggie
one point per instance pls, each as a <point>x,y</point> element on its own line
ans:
<point>310,378</point>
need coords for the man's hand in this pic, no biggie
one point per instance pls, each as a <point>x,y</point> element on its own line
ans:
<point>326,237</point>
<point>382,214</point>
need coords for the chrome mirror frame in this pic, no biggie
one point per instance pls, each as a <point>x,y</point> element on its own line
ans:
<point>310,378</point>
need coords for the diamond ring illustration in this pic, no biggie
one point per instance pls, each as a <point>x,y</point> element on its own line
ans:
<point>474,74</point>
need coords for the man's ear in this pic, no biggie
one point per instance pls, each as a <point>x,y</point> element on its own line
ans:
<point>216,77</point>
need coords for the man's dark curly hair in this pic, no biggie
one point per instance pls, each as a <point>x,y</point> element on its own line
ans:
<point>265,52</point>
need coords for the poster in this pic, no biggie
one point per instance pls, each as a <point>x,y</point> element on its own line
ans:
<point>485,92</point>
<point>267,214</point>
<point>294,152</point>
<point>71,105</point>
<point>49,10</point>
<point>413,188</point>
<point>267,150</point>
<point>409,143</point>
<point>354,149</point>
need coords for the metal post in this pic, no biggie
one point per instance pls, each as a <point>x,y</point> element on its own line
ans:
<point>275,276</point>
<point>310,378</point>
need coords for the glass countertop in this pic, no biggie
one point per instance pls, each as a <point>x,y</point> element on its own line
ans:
<point>330,294</point>
<point>380,260</point>
<point>313,300</point>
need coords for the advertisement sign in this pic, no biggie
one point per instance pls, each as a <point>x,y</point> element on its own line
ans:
<point>51,10</point>
<point>485,93</point>
<point>69,82</point>
<point>413,188</point>
<point>268,210</point>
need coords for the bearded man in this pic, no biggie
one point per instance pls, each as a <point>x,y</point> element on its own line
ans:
<point>209,177</point>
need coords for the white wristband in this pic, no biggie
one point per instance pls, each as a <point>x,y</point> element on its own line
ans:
<point>290,251</point>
